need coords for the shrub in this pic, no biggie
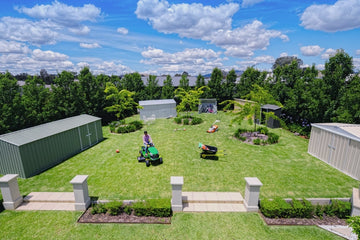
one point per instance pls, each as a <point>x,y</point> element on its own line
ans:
<point>242,138</point>
<point>239,132</point>
<point>319,211</point>
<point>340,209</point>
<point>153,207</point>
<point>196,120</point>
<point>138,124</point>
<point>257,141</point>
<point>186,121</point>
<point>128,210</point>
<point>114,208</point>
<point>178,120</point>
<point>98,208</point>
<point>272,138</point>
<point>263,130</point>
<point>354,222</point>
<point>277,208</point>
<point>301,209</point>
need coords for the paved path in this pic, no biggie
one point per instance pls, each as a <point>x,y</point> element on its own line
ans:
<point>213,202</point>
<point>59,201</point>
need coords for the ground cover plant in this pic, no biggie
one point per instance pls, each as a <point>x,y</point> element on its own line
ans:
<point>285,169</point>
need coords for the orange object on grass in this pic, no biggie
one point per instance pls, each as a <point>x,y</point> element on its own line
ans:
<point>213,128</point>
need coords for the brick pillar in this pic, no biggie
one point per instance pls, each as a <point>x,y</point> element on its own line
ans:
<point>81,193</point>
<point>10,191</point>
<point>252,192</point>
<point>176,200</point>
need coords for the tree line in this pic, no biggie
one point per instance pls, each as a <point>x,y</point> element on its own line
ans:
<point>307,95</point>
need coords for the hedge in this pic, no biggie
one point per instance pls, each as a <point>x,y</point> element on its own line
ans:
<point>279,208</point>
<point>152,207</point>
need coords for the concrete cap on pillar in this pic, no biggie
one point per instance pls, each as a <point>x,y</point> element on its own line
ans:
<point>253,181</point>
<point>79,179</point>
<point>177,180</point>
<point>8,177</point>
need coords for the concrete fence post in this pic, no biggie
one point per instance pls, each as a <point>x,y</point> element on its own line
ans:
<point>355,202</point>
<point>176,199</point>
<point>81,192</point>
<point>252,192</point>
<point>10,191</point>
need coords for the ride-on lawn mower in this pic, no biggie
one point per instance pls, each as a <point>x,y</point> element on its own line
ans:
<point>151,156</point>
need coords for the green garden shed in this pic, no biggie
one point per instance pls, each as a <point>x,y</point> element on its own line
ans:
<point>30,151</point>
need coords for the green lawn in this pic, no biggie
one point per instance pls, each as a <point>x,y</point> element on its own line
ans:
<point>285,169</point>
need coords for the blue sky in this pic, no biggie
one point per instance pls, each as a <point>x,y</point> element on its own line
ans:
<point>172,36</point>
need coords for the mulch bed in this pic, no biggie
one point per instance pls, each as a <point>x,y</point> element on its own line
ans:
<point>304,221</point>
<point>87,217</point>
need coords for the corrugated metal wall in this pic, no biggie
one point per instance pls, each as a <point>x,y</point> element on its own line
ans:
<point>158,111</point>
<point>10,160</point>
<point>338,151</point>
<point>34,157</point>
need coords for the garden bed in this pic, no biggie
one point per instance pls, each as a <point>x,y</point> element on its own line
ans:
<point>326,220</point>
<point>87,217</point>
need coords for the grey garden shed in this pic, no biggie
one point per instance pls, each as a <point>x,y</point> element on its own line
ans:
<point>32,150</point>
<point>164,108</point>
<point>207,105</point>
<point>271,123</point>
<point>337,144</point>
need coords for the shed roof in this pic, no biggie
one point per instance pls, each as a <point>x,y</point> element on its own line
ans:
<point>32,134</point>
<point>351,131</point>
<point>156,102</point>
<point>270,106</point>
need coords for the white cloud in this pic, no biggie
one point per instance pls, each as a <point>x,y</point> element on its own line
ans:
<point>20,29</point>
<point>13,47</point>
<point>90,45</point>
<point>63,14</point>
<point>356,62</point>
<point>256,61</point>
<point>357,52</point>
<point>188,20</point>
<point>242,42</point>
<point>104,67</point>
<point>122,30</point>
<point>208,23</point>
<point>341,16</point>
<point>328,53</point>
<point>284,54</point>
<point>312,50</point>
<point>249,3</point>
<point>190,60</point>
<point>40,55</point>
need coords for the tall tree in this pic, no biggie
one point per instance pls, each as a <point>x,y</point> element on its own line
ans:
<point>35,100</point>
<point>230,84</point>
<point>152,88</point>
<point>10,104</point>
<point>190,99</point>
<point>184,82</point>
<point>133,83</point>
<point>200,81</point>
<point>337,70</point>
<point>120,102</point>
<point>251,110</point>
<point>167,91</point>
<point>214,84</point>
<point>67,98</point>
<point>349,102</point>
